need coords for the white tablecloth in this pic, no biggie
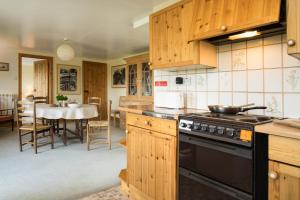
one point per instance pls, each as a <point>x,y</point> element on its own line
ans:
<point>84,112</point>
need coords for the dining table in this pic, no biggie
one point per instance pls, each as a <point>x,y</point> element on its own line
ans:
<point>79,114</point>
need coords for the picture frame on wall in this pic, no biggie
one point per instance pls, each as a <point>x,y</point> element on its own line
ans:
<point>4,66</point>
<point>68,79</point>
<point>118,76</point>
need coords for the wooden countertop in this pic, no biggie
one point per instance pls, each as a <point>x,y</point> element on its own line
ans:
<point>175,113</point>
<point>279,130</point>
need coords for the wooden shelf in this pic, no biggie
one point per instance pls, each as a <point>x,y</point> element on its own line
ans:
<point>123,142</point>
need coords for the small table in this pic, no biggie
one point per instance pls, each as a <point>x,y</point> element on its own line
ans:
<point>84,112</point>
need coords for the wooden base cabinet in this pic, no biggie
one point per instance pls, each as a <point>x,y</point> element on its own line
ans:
<point>284,181</point>
<point>151,161</point>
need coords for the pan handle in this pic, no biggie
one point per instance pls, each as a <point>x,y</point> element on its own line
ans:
<point>253,108</point>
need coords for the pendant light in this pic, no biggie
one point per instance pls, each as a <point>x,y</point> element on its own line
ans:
<point>65,52</point>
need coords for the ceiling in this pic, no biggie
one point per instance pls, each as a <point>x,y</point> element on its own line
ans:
<point>101,29</point>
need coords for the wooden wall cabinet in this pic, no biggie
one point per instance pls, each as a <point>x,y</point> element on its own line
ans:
<point>293,27</point>
<point>213,18</point>
<point>139,76</point>
<point>151,158</point>
<point>169,35</point>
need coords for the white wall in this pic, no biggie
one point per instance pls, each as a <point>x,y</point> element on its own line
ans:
<point>114,93</point>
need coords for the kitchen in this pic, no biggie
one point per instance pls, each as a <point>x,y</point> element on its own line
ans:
<point>241,54</point>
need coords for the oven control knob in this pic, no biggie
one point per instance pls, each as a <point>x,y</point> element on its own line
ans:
<point>183,125</point>
<point>221,130</point>
<point>190,126</point>
<point>197,127</point>
<point>204,127</point>
<point>230,132</point>
<point>212,129</point>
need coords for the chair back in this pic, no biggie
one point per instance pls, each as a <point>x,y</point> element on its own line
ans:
<point>27,113</point>
<point>41,99</point>
<point>109,110</point>
<point>95,101</point>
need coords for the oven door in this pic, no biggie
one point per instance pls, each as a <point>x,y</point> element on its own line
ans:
<point>196,187</point>
<point>229,164</point>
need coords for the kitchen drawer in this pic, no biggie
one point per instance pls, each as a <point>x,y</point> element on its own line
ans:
<point>151,123</point>
<point>285,150</point>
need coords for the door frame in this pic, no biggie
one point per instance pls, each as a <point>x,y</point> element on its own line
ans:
<point>50,73</point>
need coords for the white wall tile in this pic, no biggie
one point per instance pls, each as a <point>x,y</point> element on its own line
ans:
<point>201,100</point>
<point>239,45</point>
<point>254,43</point>
<point>191,82</point>
<point>239,59</point>
<point>255,58</point>
<point>292,105</point>
<point>272,56</point>
<point>239,81</point>
<point>273,80</point>
<point>225,61</point>
<point>164,72</point>
<point>276,39</point>
<point>289,61</point>
<point>225,98</point>
<point>291,79</point>
<point>258,100</point>
<point>201,82</point>
<point>255,81</point>
<point>212,98</point>
<point>239,98</point>
<point>223,48</point>
<point>172,83</point>
<point>212,81</point>
<point>191,99</point>
<point>225,81</point>
<point>274,103</point>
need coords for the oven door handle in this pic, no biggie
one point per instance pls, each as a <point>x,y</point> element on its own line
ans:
<point>215,185</point>
<point>230,149</point>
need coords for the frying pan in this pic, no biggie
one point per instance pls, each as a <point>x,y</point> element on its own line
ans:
<point>233,109</point>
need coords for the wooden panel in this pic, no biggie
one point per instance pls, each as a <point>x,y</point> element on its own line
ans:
<point>95,84</point>
<point>169,35</point>
<point>293,27</point>
<point>41,78</point>
<point>151,164</point>
<point>284,150</point>
<point>285,185</point>
<point>152,123</point>
<point>236,15</point>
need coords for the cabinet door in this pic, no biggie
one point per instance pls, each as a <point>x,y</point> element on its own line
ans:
<point>146,80</point>
<point>152,163</point>
<point>132,84</point>
<point>284,181</point>
<point>293,27</point>
<point>213,18</point>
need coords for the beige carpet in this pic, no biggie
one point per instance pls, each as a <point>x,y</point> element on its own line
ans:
<point>109,194</point>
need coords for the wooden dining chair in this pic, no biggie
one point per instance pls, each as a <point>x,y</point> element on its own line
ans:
<point>97,102</point>
<point>95,138</point>
<point>28,124</point>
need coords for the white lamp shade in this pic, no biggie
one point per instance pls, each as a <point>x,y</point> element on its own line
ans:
<point>65,52</point>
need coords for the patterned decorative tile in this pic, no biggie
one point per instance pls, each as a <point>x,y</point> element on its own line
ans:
<point>225,81</point>
<point>274,103</point>
<point>239,60</point>
<point>291,79</point>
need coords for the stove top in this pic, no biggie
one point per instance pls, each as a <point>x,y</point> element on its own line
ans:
<point>243,118</point>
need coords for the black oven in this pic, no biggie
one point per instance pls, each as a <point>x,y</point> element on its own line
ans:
<point>214,166</point>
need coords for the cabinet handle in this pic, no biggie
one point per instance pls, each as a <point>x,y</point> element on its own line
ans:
<point>291,42</point>
<point>223,28</point>
<point>149,63</point>
<point>273,175</point>
<point>146,123</point>
<point>126,131</point>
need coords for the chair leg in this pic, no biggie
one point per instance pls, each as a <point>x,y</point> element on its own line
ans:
<point>88,137</point>
<point>20,141</point>
<point>52,137</point>
<point>12,124</point>
<point>109,138</point>
<point>35,142</point>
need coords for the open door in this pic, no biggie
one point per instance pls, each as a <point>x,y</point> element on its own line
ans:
<point>95,84</point>
<point>41,78</point>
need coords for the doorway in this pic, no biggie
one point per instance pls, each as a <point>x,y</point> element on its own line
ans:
<point>35,76</point>
<point>95,84</point>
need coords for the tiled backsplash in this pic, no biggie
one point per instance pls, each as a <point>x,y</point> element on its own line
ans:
<point>257,71</point>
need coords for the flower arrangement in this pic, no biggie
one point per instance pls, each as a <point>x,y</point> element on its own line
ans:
<point>60,97</point>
